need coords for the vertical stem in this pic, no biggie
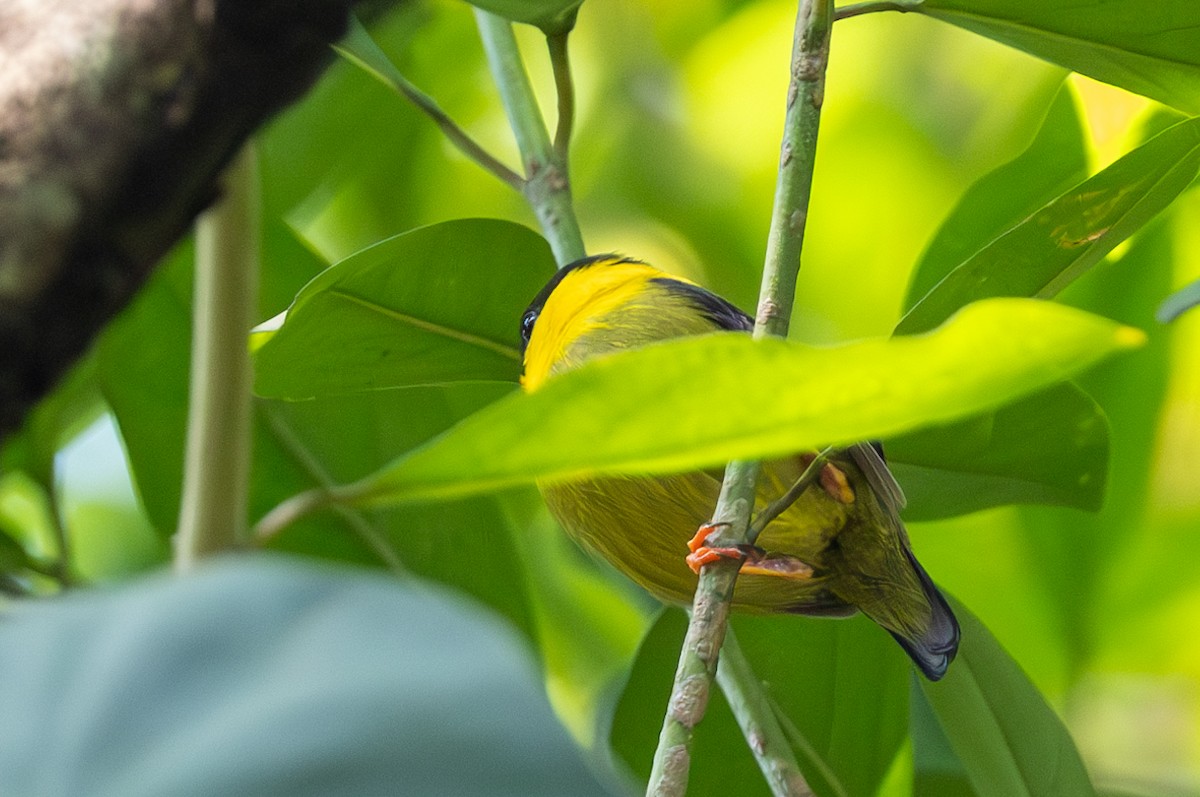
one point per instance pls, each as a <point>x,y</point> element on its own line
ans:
<point>758,722</point>
<point>565,89</point>
<point>216,469</point>
<point>793,184</point>
<point>547,187</point>
<point>710,608</point>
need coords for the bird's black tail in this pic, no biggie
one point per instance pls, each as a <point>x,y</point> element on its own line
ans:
<point>934,649</point>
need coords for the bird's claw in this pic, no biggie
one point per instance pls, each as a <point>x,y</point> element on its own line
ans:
<point>754,559</point>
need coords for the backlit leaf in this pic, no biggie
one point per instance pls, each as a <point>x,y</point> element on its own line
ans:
<point>699,402</point>
<point>1058,243</point>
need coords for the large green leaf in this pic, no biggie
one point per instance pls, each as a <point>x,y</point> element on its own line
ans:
<point>1048,448</point>
<point>1055,161</point>
<point>302,445</point>
<point>841,685</point>
<point>147,385</point>
<point>1009,741</point>
<point>259,677</point>
<point>698,402</point>
<point>436,305</point>
<point>552,16</point>
<point>1146,48</point>
<point>501,550</point>
<point>1063,239</point>
<point>1080,559</point>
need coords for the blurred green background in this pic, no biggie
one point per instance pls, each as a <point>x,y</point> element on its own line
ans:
<point>679,120</point>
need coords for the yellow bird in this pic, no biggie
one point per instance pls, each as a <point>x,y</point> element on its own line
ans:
<point>839,548</point>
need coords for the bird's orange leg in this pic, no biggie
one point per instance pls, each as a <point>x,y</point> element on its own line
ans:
<point>754,559</point>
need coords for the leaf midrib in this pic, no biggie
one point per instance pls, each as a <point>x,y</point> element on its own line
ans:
<point>468,338</point>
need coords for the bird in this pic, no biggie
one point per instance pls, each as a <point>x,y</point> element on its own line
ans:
<point>838,549</point>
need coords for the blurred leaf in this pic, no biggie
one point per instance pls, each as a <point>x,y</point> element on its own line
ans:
<point>482,546</point>
<point>112,541</point>
<point>147,385</point>
<point>1080,559</point>
<point>699,402</point>
<point>1055,161</point>
<point>552,16</point>
<point>1048,448</point>
<point>435,305</point>
<point>1149,50</point>
<point>466,544</point>
<point>13,556</point>
<point>52,423</point>
<point>1179,302</point>
<point>1009,741</point>
<point>262,677</point>
<point>842,684</point>
<point>1058,243</point>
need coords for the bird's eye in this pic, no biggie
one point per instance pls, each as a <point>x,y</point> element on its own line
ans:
<point>527,322</point>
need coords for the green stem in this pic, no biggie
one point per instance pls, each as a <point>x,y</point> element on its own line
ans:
<point>758,722</point>
<point>547,187</point>
<point>458,137</point>
<point>359,48</point>
<point>291,509</point>
<point>217,464</point>
<point>710,608</point>
<point>565,89</point>
<point>872,6</point>
<point>777,507</point>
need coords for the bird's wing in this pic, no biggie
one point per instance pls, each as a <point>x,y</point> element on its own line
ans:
<point>870,461</point>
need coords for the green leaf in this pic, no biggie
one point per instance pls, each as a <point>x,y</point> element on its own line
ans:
<point>13,556</point>
<point>1048,448</point>
<point>1078,560</point>
<point>1179,303</point>
<point>1055,161</point>
<point>256,676</point>
<point>1148,49</point>
<point>1009,741</point>
<point>500,550</point>
<point>147,386</point>
<point>1058,243</point>
<point>433,306</point>
<point>52,423</point>
<point>552,16</point>
<point>699,402</point>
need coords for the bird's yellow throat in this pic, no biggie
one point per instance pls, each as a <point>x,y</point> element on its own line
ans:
<point>579,304</point>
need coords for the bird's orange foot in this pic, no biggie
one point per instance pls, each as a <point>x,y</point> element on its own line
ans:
<point>702,534</point>
<point>702,554</point>
<point>754,559</point>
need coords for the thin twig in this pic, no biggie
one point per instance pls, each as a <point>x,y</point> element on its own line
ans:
<point>800,742</point>
<point>873,6</point>
<point>291,509</point>
<point>459,137</point>
<point>777,507</point>
<point>710,608</point>
<point>217,465</point>
<point>308,462</point>
<point>756,717</point>
<point>360,49</point>
<point>565,89</point>
<point>547,187</point>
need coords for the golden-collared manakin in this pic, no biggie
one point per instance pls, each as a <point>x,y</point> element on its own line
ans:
<point>839,548</point>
